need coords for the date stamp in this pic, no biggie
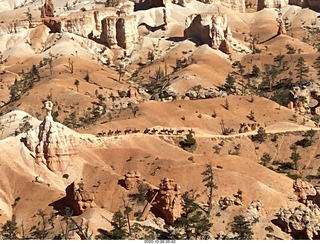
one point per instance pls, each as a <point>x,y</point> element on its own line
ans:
<point>159,241</point>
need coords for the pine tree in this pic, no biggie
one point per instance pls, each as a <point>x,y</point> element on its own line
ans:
<point>121,71</point>
<point>261,135</point>
<point>34,72</point>
<point>118,223</point>
<point>192,222</point>
<point>189,141</point>
<point>87,78</point>
<point>42,229</point>
<point>229,85</point>
<point>241,227</point>
<point>240,69</point>
<point>302,71</point>
<point>77,83</point>
<point>9,230</point>
<point>278,60</point>
<point>15,91</point>
<point>270,74</point>
<point>210,185</point>
<point>316,65</point>
<point>295,156</point>
<point>255,71</point>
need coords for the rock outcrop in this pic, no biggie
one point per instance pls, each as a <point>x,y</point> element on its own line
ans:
<point>236,5</point>
<point>255,211</point>
<point>313,4</point>
<point>225,202</point>
<point>211,29</point>
<point>134,94</point>
<point>301,222</point>
<point>166,201</point>
<point>47,10</point>
<point>119,31</point>
<point>78,198</point>
<point>50,144</point>
<point>304,190</point>
<point>131,180</point>
<point>271,4</point>
<point>305,98</point>
<point>115,27</point>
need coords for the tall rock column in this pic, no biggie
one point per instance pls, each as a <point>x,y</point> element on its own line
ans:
<point>47,10</point>
<point>50,144</point>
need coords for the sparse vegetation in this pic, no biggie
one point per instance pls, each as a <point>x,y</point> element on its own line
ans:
<point>295,156</point>
<point>302,71</point>
<point>242,228</point>
<point>251,115</point>
<point>265,159</point>
<point>210,185</point>
<point>189,142</point>
<point>23,85</point>
<point>225,130</point>
<point>192,222</point>
<point>119,223</point>
<point>261,135</point>
<point>9,230</point>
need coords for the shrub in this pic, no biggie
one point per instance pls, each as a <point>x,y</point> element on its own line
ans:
<point>261,136</point>
<point>216,149</point>
<point>274,138</point>
<point>265,159</point>
<point>251,115</point>
<point>189,142</point>
<point>281,97</point>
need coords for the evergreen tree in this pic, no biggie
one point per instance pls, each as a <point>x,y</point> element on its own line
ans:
<point>121,71</point>
<point>309,135</point>
<point>210,185</point>
<point>118,223</point>
<point>87,77</point>
<point>42,229</point>
<point>261,135</point>
<point>34,72</point>
<point>229,85</point>
<point>302,71</point>
<point>15,91</point>
<point>295,156</point>
<point>290,49</point>
<point>270,74</point>
<point>192,222</point>
<point>111,3</point>
<point>189,141</point>
<point>316,65</point>
<point>240,72</point>
<point>278,60</point>
<point>9,230</point>
<point>77,83</point>
<point>265,159</point>
<point>255,71</point>
<point>241,227</point>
